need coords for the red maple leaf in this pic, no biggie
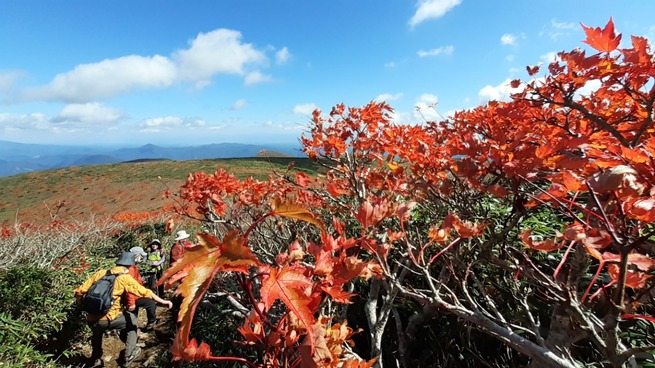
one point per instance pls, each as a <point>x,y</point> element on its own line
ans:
<point>289,285</point>
<point>196,270</point>
<point>603,40</point>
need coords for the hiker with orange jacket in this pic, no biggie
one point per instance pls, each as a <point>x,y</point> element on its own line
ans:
<point>134,302</point>
<point>117,318</point>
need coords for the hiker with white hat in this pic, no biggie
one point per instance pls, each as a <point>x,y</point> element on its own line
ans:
<point>180,246</point>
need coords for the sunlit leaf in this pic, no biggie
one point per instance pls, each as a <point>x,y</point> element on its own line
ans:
<point>604,40</point>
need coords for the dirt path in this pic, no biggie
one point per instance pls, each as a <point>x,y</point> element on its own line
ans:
<point>154,344</point>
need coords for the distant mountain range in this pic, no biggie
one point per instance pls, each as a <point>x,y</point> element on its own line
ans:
<point>18,158</point>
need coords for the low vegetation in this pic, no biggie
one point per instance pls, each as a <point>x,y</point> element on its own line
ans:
<point>515,234</point>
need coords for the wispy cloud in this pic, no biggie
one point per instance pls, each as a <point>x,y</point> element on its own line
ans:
<point>304,109</point>
<point>443,50</point>
<point>560,29</point>
<point>238,104</point>
<point>282,56</point>
<point>159,124</point>
<point>508,39</point>
<point>549,57</point>
<point>8,79</point>
<point>388,97</point>
<point>23,122</point>
<point>431,9</point>
<point>256,77</point>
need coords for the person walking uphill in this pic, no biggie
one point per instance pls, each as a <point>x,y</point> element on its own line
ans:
<point>180,246</point>
<point>156,259</point>
<point>116,318</point>
<point>133,302</point>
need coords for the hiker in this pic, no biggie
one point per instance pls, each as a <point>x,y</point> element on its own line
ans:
<point>117,318</point>
<point>177,252</point>
<point>133,302</point>
<point>156,259</point>
<point>180,246</point>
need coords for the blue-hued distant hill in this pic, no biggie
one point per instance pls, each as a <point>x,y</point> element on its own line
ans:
<point>18,158</point>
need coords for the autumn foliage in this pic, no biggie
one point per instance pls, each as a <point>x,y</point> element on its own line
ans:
<point>425,212</point>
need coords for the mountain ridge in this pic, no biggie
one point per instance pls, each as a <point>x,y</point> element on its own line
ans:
<point>18,158</point>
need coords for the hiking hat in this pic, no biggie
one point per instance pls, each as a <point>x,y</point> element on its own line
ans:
<point>138,251</point>
<point>155,241</point>
<point>126,259</point>
<point>181,235</point>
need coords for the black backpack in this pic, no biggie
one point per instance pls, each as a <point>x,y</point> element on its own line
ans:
<point>99,298</point>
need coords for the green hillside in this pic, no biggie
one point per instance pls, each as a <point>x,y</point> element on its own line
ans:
<point>104,190</point>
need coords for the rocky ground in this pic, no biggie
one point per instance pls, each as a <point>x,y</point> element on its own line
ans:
<point>154,345</point>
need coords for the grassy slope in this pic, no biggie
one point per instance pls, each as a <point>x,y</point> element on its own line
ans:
<point>104,190</point>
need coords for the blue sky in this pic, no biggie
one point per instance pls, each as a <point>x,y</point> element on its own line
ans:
<point>195,72</point>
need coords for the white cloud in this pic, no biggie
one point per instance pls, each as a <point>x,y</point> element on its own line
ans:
<point>282,56</point>
<point>443,50</point>
<point>549,57</point>
<point>219,51</point>
<point>256,77</point>
<point>425,108</point>
<point>238,104</point>
<point>589,87</point>
<point>304,109</point>
<point>429,9</point>
<point>390,65</point>
<point>508,39</point>
<point>26,122</point>
<point>162,122</point>
<point>388,97</point>
<point>106,79</point>
<point>87,113</point>
<point>500,92</point>
<point>285,126</point>
<point>168,123</point>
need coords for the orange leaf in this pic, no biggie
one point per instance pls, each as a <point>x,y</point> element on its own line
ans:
<point>603,40</point>
<point>338,294</point>
<point>642,209</point>
<point>190,351</point>
<point>235,254</point>
<point>289,285</point>
<point>465,229</point>
<point>633,279</point>
<point>302,179</point>
<point>298,212</point>
<point>637,155</point>
<point>438,234</point>
<point>547,245</point>
<point>197,270</point>
<point>498,191</point>
<point>314,350</point>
